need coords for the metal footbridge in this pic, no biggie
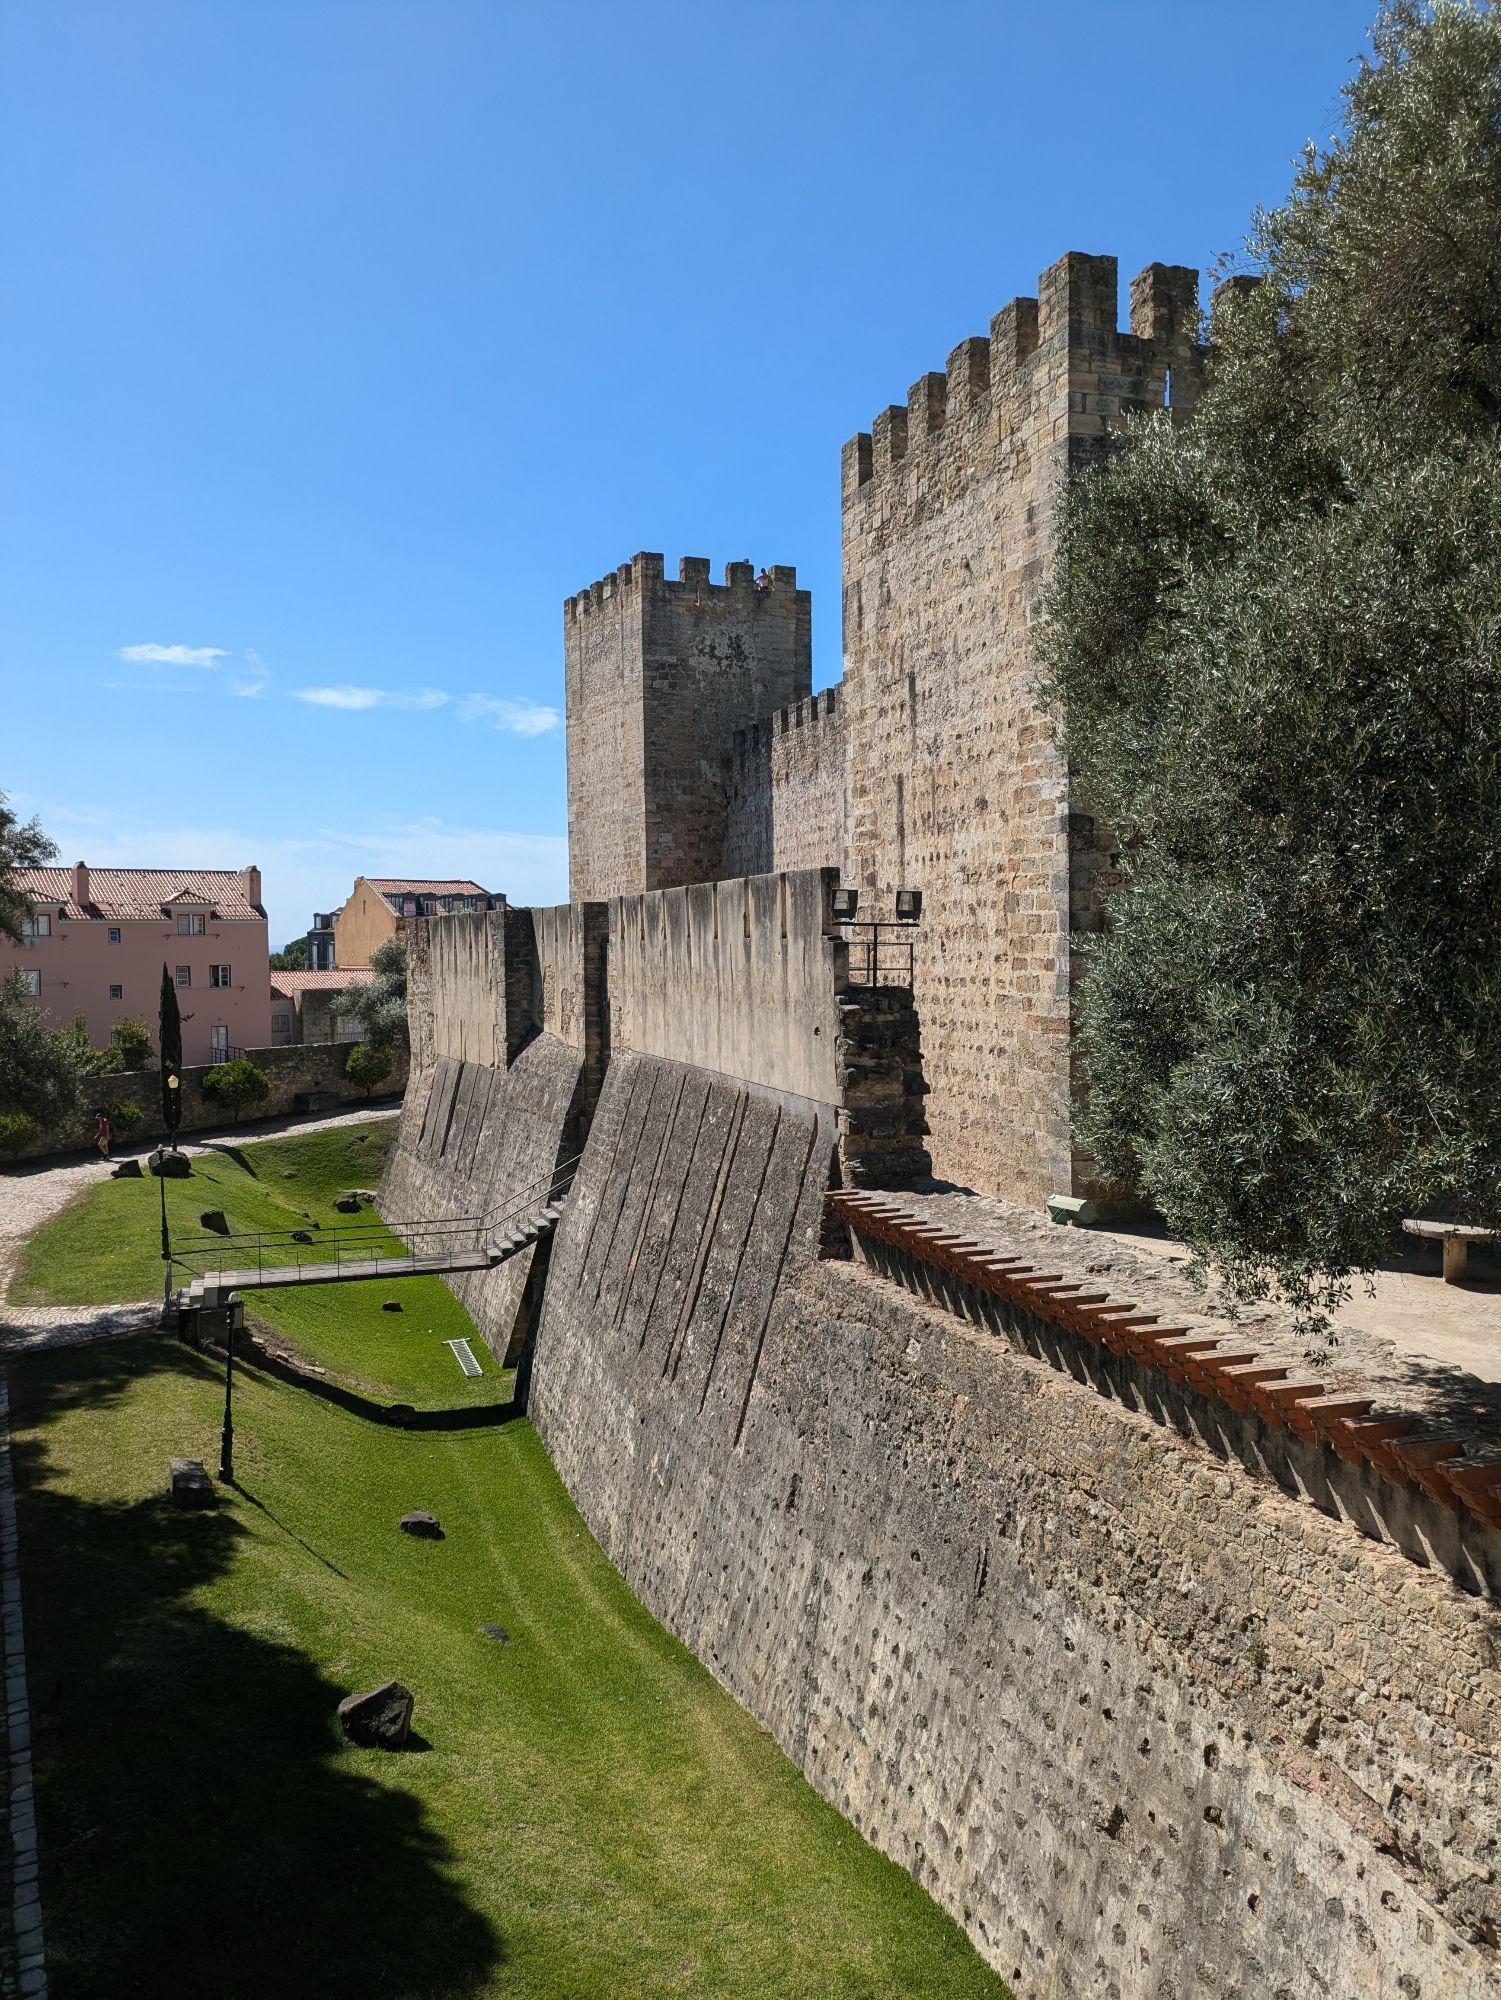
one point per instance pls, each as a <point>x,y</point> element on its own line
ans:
<point>272,1259</point>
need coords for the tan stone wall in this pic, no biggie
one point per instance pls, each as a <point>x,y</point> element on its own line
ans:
<point>365,922</point>
<point>738,977</point>
<point>785,790</point>
<point>956,787</point>
<point>657,676</point>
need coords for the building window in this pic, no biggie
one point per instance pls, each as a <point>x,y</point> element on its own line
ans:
<point>117,993</point>
<point>218,1044</point>
<point>114,934</point>
<point>184,975</point>
<point>31,981</point>
<point>409,906</point>
<point>218,975</point>
<point>36,927</point>
<point>281,1023</point>
<point>190,926</point>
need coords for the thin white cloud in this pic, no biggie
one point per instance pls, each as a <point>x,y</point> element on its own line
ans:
<point>518,718</point>
<point>173,656</point>
<point>346,697</point>
<point>153,687</point>
<point>257,675</point>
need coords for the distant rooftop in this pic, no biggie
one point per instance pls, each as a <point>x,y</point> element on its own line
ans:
<point>115,893</point>
<point>288,983</point>
<point>392,888</point>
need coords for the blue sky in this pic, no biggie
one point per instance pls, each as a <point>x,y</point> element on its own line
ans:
<point>345,338</point>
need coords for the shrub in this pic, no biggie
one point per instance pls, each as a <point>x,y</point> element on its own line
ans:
<point>17,1132</point>
<point>367,1067</point>
<point>237,1084</point>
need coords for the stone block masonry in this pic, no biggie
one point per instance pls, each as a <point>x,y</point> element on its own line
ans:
<point>1146,1726</point>
<point>955,783</point>
<point>784,790</point>
<point>658,675</point>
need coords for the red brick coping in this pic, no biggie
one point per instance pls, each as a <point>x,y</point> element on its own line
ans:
<point>1441,1465</point>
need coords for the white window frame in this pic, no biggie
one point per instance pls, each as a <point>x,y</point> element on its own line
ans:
<point>218,1044</point>
<point>214,979</point>
<point>117,992</point>
<point>190,924</point>
<point>112,935</point>
<point>35,928</point>
<point>184,978</point>
<point>31,981</point>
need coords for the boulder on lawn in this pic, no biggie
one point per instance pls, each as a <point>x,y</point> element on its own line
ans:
<point>169,1166</point>
<point>381,1719</point>
<point>403,1415</point>
<point>302,1236</point>
<point>348,1204</point>
<point>191,1485</point>
<point>215,1219</point>
<point>496,1632</point>
<point>128,1170</point>
<point>390,1305</point>
<point>424,1524</point>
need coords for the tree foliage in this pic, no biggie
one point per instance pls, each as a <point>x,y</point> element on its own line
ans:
<point>1272,648</point>
<point>169,1041</point>
<point>237,1084</point>
<point>367,1066</point>
<point>22,845</point>
<point>39,1073</point>
<point>129,1045</point>
<point>292,957</point>
<point>381,1006</point>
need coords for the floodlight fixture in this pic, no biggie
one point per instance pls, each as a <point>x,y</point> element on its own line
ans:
<point>846,902</point>
<point>908,905</point>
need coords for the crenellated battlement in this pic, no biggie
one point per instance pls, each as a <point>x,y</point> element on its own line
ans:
<point>1064,342</point>
<point>645,576</point>
<point>750,747</point>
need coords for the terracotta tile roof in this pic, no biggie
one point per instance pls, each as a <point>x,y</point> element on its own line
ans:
<point>138,892</point>
<point>390,886</point>
<point>288,983</point>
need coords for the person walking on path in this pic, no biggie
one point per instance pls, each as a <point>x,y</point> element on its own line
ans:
<point>102,1134</point>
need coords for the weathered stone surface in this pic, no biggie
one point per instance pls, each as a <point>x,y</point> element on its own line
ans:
<point>302,1236</point>
<point>658,675</point>
<point>167,1165</point>
<point>128,1170</point>
<point>390,1305</point>
<point>421,1523</point>
<point>191,1485</point>
<point>379,1720</point>
<point>1109,1699</point>
<point>348,1204</point>
<point>215,1219</point>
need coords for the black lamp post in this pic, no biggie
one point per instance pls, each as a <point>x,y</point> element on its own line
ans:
<point>227,1433</point>
<point>173,1086</point>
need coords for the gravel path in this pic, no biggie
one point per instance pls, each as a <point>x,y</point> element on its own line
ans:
<point>31,1195</point>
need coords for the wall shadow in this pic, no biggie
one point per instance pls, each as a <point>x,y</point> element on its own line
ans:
<point>463,1417</point>
<point>204,1828</point>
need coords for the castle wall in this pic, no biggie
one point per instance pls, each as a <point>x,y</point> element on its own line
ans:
<point>738,977</point>
<point>658,676</point>
<point>956,786</point>
<point>784,789</point>
<point>1145,1725</point>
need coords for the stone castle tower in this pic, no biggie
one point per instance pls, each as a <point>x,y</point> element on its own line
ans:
<point>695,753</point>
<point>658,677</point>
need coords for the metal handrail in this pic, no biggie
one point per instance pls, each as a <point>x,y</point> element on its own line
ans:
<point>887,951</point>
<point>356,1244</point>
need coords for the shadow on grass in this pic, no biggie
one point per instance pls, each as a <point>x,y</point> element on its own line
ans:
<point>236,1153</point>
<point>463,1417</point>
<point>204,1827</point>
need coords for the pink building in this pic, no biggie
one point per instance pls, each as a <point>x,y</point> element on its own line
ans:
<point>99,938</point>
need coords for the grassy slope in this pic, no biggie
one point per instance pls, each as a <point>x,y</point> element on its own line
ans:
<point>590,1816</point>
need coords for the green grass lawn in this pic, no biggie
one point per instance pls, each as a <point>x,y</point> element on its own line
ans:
<point>586,1814</point>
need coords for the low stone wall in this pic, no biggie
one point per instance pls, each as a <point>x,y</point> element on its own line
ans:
<point>739,977</point>
<point>1145,1725</point>
<point>298,1067</point>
